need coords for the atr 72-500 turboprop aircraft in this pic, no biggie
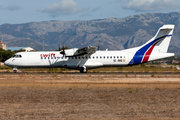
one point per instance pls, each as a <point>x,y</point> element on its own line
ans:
<point>88,58</point>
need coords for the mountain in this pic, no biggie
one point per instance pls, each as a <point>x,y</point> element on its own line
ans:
<point>113,33</point>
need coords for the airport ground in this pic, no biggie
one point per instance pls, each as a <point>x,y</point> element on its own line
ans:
<point>104,96</point>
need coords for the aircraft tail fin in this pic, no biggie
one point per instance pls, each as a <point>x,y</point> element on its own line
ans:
<point>160,41</point>
<point>164,36</point>
<point>157,45</point>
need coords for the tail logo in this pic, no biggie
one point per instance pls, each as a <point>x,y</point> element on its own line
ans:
<point>143,54</point>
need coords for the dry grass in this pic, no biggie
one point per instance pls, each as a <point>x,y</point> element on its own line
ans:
<point>87,97</point>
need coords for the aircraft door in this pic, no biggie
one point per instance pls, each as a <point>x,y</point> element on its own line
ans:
<point>41,59</point>
<point>18,59</point>
<point>130,58</point>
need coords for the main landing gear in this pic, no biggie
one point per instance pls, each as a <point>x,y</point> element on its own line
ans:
<point>83,69</point>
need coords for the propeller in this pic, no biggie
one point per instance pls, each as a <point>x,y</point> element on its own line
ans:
<point>63,51</point>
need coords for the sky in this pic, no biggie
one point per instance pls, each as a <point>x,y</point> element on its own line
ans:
<point>24,11</point>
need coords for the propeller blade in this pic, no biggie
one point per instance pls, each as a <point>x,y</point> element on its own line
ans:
<point>63,51</point>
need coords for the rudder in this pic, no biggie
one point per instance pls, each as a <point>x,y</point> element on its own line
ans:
<point>165,32</point>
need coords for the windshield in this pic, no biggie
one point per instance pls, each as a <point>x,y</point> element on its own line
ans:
<point>17,56</point>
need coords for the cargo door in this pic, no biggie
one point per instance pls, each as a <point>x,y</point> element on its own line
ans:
<point>130,58</point>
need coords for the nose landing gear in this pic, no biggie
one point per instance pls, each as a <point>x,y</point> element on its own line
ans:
<point>15,70</point>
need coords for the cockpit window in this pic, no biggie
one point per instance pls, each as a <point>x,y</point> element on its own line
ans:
<point>14,56</point>
<point>17,56</point>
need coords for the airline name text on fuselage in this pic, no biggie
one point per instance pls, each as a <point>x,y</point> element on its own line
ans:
<point>48,55</point>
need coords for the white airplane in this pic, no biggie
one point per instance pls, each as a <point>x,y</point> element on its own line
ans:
<point>88,58</point>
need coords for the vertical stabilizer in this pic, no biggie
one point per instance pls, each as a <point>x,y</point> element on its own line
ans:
<point>158,44</point>
<point>166,33</point>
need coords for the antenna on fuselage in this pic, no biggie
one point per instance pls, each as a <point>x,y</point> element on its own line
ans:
<point>99,45</point>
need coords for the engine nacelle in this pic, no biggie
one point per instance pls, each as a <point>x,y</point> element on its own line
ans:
<point>70,52</point>
<point>77,52</point>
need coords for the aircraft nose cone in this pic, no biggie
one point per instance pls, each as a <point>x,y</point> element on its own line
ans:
<point>6,62</point>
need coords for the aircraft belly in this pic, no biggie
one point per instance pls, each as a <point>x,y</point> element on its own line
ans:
<point>93,64</point>
<point>78,64</point>
<point>71,65</point>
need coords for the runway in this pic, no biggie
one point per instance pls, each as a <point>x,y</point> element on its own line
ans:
<point>88,96</point>
<point>124,74</point>
<point>101,72</point>
<point>100,78</point>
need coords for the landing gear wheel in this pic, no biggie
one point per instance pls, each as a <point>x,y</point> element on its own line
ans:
<point>83,70</point>
<point>15,70</point>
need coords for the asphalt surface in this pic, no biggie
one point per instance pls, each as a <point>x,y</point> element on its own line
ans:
<point>96,73</point>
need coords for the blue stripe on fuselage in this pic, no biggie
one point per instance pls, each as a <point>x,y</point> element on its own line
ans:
<point>140,53</point>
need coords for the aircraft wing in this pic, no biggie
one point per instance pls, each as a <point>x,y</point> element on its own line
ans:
<point>78,52</point>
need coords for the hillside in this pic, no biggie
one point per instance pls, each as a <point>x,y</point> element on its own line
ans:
<point>113,33</point>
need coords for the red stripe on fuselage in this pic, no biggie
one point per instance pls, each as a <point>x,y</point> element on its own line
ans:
<point>148,53</point>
